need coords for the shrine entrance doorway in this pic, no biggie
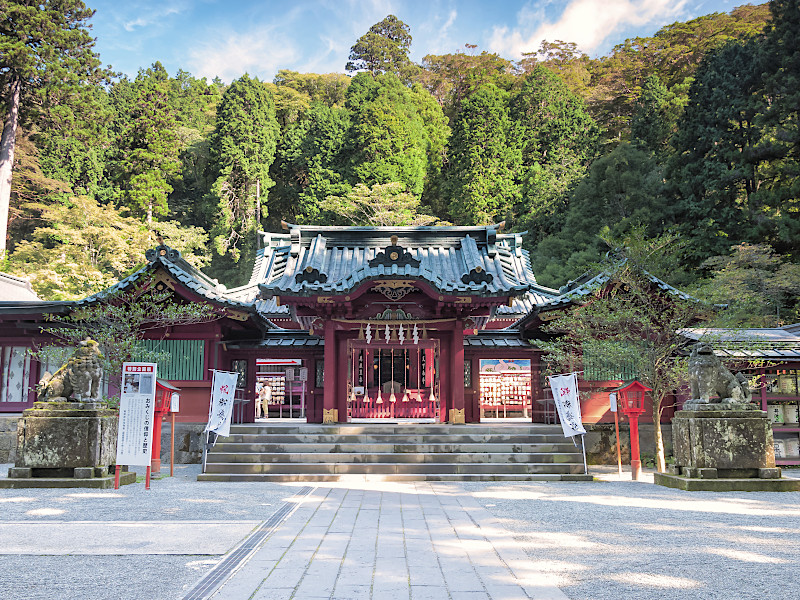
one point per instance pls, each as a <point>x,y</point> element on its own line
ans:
<point>394,380</point>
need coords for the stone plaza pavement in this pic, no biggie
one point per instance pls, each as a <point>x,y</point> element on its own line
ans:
<point>430,544</point>
<point>609,539</point>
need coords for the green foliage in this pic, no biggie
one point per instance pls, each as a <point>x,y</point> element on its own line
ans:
<point>384,49</point>
<point>387,140</point>
<point>309,164</point>
<point>623,190</point>
<point>83,248</point>
<point>242,150</point>
<point>557,140</point>
<point>630,321</point>
<point>718,174</point>
<point>329,89</point>
<point>147,147</point>
<point>451,78</point>
<point>760,288</point>
<point>656,115</point>
<point>379,205</point>
<point>480,183</point>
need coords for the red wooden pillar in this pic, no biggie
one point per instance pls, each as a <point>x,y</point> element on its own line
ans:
<point>343,364</point>
<point>456,386</point>
<point>329,390</point>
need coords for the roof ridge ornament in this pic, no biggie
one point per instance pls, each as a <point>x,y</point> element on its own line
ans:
<point>394,254</point>
<point>162,251</point>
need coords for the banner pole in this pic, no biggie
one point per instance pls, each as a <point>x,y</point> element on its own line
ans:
<point>172,448</point>
<point>147,479</point>
<point>116,476</point>
<point>619,453</point>
<point>583,447</point>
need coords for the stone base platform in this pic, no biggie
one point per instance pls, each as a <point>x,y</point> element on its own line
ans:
<point>691,484</point>
<point>106,482</point>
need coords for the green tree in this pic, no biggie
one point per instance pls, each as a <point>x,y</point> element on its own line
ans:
<point>82,247</point>
<point>450,78</point>
<point>717,171</point>
<point>384,49</point>
<point>310,165</point>
<point>630,320</point>
<point>622,191</point>
<point>484,159</point>
<point>656,116</point>
<point>382,205</point>
<point>44,46</point>
<point>781,118</point>
<point>148,150</point>
<point>761,288</point>
<point>558,139</point>
<point>242,151</point>
<point>387,141</point>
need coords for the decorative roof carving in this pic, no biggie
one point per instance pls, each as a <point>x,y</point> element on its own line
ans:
<point>311,275</point>
<point>477,275</point>
<point>394,289</point>
<point>162,251</point>
<point>394,254</point>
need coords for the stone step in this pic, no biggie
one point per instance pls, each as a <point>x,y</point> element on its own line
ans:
<point>392,468</point>
<point>358,448</point>
<point>377,428</point>
<point>309,477</point>
<point>393,457</point>
<point>393,438</point>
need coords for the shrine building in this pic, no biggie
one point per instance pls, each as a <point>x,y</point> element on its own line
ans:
<point>342,323</point>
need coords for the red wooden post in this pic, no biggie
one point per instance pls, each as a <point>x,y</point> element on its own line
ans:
<point>329,394</point>
<point>456,387</point>
<point>636,463</point>
<point>116,477</point>
<point>147,479</point>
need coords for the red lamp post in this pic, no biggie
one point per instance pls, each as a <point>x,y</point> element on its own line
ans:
<point>631,403</point>
<point>164,393</point>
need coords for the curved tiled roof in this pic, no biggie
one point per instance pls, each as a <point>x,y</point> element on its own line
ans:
<point>454,260</point>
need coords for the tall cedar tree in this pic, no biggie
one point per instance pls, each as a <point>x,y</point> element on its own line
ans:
<point>557,139</point>
<point>242,150</point>
<point>44,46</point>
<point>384,49</point>
<point>149,150</point>
<point>387,139</point>
<point>717,171</point>
<point>782,117</point>
<point>484,160</point>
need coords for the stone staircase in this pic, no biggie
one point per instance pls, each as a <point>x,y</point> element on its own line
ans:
<point>394,452</point>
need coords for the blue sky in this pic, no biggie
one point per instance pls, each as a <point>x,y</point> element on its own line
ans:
<point>228,37</point>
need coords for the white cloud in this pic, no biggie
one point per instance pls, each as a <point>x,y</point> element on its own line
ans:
<point>154,16</point>
<point>588,23</point>
<point>258,52</point>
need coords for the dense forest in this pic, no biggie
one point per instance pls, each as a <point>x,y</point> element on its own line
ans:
<point>692,133</point>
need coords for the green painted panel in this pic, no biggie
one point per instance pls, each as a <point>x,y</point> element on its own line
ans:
<point>185,361</point>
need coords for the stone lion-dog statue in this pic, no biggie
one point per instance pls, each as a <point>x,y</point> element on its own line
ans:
<point>79,378</point>
<point>712,382</point>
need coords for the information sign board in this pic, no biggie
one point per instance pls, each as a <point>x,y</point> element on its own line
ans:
<point>136,408</point>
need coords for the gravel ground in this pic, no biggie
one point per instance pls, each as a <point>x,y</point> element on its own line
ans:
<point>115,577</point>
<point>632,540</point>
<point>611,539</point>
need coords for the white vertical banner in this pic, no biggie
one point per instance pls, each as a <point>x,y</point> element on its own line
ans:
<point>136,407</point>
<point>223,389</point>
<point>565,395</point>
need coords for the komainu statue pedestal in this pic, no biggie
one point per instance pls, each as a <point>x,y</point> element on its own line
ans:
<point>723,446</point>
<point>66,444</point>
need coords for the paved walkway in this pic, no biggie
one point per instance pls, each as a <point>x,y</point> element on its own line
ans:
<point>356,544</point>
